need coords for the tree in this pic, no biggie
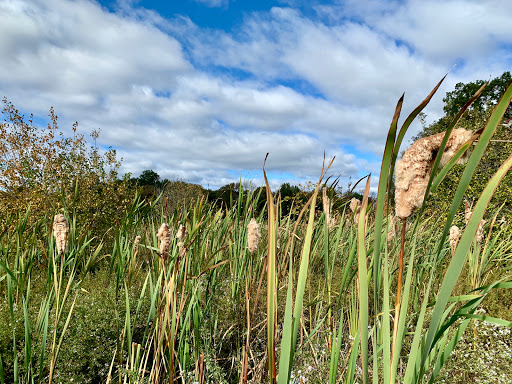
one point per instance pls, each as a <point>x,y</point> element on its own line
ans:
<point>149,177</point>
<point>455,99</point>
<point>51,173</point>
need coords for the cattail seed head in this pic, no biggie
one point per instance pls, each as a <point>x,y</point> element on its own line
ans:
<point>326,202</point>
<point>413,170</point>
<point>480,231</point>
<point>467,212</point>
<point>355,207</point>
<point>164,235</point>
<point>454,237</point>
<point>391,231</point>
<point>136,244</point>
<point>60,232</point>
<point>253,235</point>
<point>181,233</point>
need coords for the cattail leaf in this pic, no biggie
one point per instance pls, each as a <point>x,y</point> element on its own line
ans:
<point>271,278</point>
<point>335,352</point>
<point>403,311</point>
<point>455,266</point>
<point>384,187</point>
<point>363,282</point>
<point>9,272</point>
<point>478,152</point>
<point>445,352</point>
<point>407,123</point>
<point>435,181</point>
<point>286,359</point>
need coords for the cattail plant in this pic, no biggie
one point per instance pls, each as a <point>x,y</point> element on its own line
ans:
<point>391,231</point>
<point>136,244</point>
<point>479,236</point>
<point>326,202</point>
<point>467,212</point>
<point>253,235</point>
<point>355,206</point>
<point>180,235</point>
<point>60,232</point>
<point>454,237</point>
<point>411,182</point>
<point>480,231</point>
<point>164,235</point>
<point>413,170</point>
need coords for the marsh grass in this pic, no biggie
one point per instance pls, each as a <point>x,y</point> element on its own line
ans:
<point>313,300</point>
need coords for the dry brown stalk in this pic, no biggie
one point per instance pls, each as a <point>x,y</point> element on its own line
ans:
<point>467,212</point>
<point>413,170</point>
<point>60,232</point>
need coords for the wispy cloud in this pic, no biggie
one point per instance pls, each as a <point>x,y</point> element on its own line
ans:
<point>213,3</point>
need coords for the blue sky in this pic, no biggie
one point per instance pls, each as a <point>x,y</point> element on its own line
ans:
<point>202,90</point>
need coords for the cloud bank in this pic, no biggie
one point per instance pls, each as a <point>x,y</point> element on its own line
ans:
<point>206,105</point>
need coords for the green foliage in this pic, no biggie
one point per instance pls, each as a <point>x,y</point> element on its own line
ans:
<point>51,173</point>
<point>455,99</point>
<point>149,177</point>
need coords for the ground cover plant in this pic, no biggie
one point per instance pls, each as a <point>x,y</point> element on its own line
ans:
<point>318,289</point>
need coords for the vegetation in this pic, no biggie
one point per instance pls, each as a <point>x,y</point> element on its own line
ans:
<point>328,294</point>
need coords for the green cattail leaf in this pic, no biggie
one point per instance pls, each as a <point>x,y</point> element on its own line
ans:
<point>490,319</point>
<point>335,352</point>
<point>475,158</point>
<point>286,359</point>
<point>271,278</point>
<point>384,187</point>
<point>408,122</point>
<point>459,153</point>
<point>445,352</point>
<point>363,282</point>
<point>455,267</point>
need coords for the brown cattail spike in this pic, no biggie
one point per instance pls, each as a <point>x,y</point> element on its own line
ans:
<point>391,231</point>
<point>136,244</point>
<point>180,235</point>
<point>253,235</point>
<point>164,235</point>
<point>480,231</point>
<point>454,237</point>
<point>355,207</point>
<point>413,170</point>
<point>326,202</point>
<point>467,212</point>
<point>60,232</point>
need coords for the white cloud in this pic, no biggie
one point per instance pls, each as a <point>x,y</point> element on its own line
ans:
<point>207,105</point>
<point>213,3</point>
